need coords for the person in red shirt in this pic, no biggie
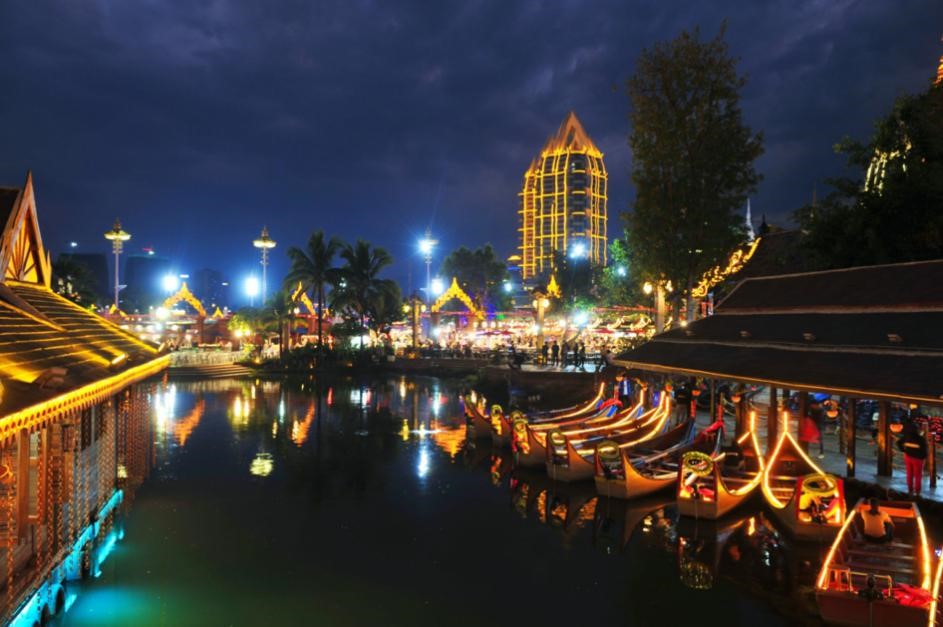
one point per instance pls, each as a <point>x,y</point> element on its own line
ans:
<point>914,445</point>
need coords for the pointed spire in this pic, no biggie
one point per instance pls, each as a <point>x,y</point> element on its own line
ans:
<point>571,136</point>
<point>764,227</point>
<point>751,235</point>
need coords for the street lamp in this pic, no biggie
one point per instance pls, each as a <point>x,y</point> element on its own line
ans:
<point>170,283</point>
<point>264,243</point>
<point>541,303</point>
<point>252,289</point>
<point>438,286</point>
<point>117,236</point>
<point>426,246</point>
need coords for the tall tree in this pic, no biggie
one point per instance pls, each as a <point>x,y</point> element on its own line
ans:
<point>73,280</point>
<point>313,267</point>
<point>692,159</point>
<point>480,272</point>
<point>360,286</point>
<point>892,212</point>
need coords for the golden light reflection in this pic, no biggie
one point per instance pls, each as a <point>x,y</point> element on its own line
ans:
<point>185,426</point>
<point>262,465</point>
<point>449,440</point>
<point>299,430</point>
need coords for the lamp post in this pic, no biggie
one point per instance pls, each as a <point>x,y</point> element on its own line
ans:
<point>541,303</point>
<point>426,246</point>
<point>264,243</point>
<point>117,236</point>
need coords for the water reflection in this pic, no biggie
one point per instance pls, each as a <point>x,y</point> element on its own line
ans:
<point>339,488</point>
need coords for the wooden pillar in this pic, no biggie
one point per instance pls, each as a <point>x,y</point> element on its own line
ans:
<point>772,420</point>
<point>885,448</point>
<point>22,482</point>
<point>851,425</point>
<point>931,449</point>
<point>200,329</point>
<point>713,399</point>
<point>742,415</point>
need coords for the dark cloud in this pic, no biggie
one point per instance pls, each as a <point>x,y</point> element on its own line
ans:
<point>198,122</point>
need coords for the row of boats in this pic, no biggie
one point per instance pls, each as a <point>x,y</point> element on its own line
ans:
<point>634,451</point>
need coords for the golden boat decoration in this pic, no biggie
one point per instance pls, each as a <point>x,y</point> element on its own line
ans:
<point>806,500</point>
<point>710,485</point>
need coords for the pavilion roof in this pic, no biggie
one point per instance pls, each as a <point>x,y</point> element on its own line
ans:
<point>868,332</point>
<point>49,345</point>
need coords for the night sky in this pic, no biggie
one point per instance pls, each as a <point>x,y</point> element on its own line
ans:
<point>198,122</point>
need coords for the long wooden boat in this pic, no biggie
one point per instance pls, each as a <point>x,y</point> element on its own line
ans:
<point>710,485</point>
<point>880,585</point>
<point>631,473</point>
<point>498,426</point>
<point>588,408</point>
<point>806,500</point>
<point>479,425</point>
<point>529,442</point>
<point>570,458</point>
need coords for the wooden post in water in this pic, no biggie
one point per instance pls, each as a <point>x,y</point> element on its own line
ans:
<point>885,450</point>
<point>851,425</point>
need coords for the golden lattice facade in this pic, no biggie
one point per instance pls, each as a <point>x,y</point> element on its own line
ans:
<point>563,201</point>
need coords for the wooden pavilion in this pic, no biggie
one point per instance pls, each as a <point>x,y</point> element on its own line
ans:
<point>69,382</point>
<point>860,333</point>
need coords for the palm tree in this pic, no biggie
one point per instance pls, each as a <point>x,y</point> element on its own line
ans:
<point>360,288</point>
<point>313,268</point>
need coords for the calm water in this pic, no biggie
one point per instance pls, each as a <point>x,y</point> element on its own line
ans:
<point>271,504</point>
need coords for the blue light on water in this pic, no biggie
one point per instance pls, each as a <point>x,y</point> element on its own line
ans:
<point>422,468</point>
<point>70,567</point>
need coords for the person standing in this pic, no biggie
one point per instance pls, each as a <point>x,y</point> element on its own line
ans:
<point>544,352</point>
<point>554,354</point>
<point>581,356</point>
<point>808,432</point>
<point>682,403</point>
<point>914,445</point>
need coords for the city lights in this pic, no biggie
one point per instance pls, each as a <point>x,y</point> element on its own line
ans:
<point>170,283</point>
<point>578,251</point>
<point>437,286</point>
<point>252,287</point>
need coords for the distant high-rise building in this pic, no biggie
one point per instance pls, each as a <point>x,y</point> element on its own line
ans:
<point>563,202</point>
<point>211,288</point>
<point>143,275</point>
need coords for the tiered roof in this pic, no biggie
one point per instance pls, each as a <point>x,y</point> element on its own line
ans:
<point>50,347</point>
<point>870,332</point>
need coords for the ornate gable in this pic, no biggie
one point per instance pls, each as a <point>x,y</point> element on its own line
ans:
<point>22,255</point>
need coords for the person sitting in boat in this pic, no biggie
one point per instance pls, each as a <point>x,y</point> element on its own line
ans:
<point>870,590</point>
<point>878,526</point>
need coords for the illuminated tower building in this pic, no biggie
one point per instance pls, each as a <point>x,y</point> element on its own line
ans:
<point>563,202</point>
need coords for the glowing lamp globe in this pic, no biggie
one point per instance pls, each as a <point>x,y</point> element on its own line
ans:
<point>264,241</point>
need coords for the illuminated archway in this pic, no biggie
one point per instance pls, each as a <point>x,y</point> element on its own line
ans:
<point>184,294</point>
<point>299,295</point>
<point>456,292</point>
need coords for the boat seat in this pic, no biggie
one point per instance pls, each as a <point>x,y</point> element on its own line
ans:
<point>867,567</point>
<point>878,553</point>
